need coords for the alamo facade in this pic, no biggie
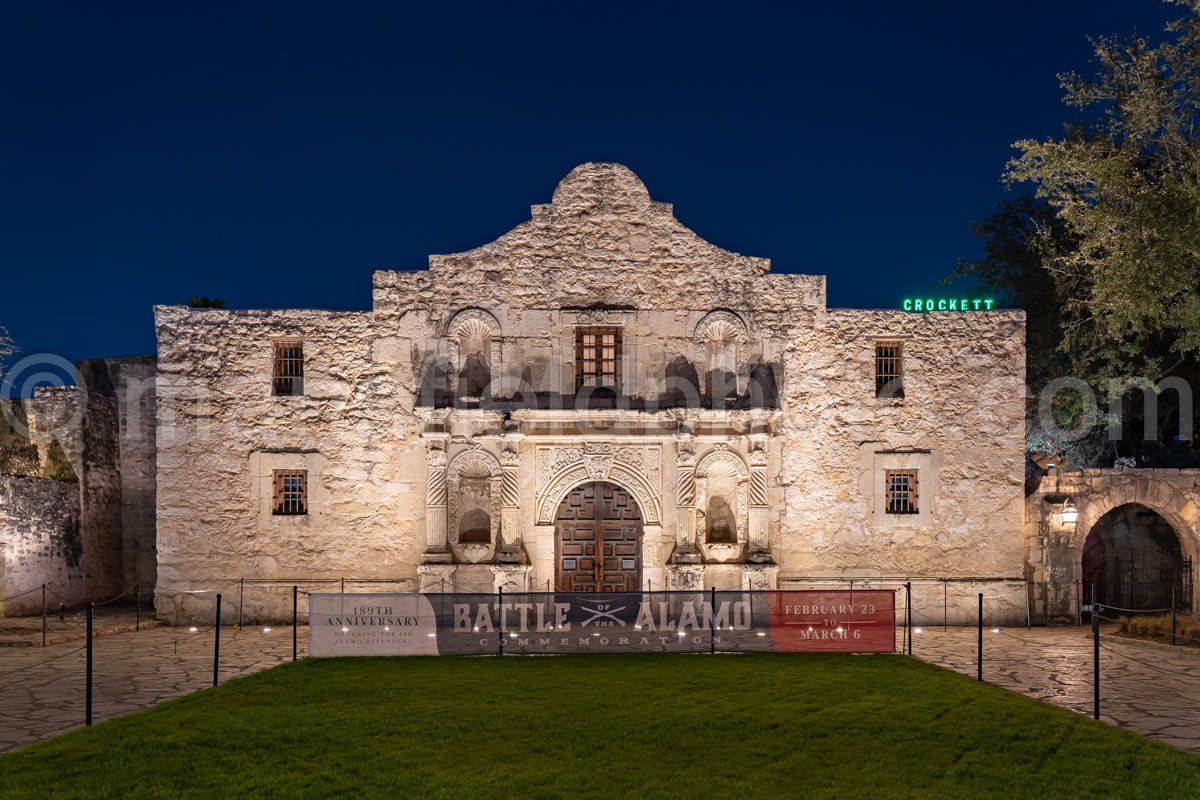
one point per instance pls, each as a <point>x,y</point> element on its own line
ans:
<point>598,400</point>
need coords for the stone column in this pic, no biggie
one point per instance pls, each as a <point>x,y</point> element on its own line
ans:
<point>436,551</point>
<point>510,491</point>
<point>759,511</point>
<point>686,551</point>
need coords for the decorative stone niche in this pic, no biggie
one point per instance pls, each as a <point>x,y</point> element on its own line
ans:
<point>720,343</point>
<point>474,346</point>
<point>722,505</point>
<point>474,486</point>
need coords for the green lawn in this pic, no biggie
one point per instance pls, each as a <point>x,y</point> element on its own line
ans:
<point>809,726</point>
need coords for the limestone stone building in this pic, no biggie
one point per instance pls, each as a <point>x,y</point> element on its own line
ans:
<point>598,400</point>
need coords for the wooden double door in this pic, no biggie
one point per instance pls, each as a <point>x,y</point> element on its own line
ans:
<point>598,540</point>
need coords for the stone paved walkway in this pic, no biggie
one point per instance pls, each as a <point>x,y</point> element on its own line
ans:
<point>70,625</point>
<point>42,688</point>
<point>1149,689</point>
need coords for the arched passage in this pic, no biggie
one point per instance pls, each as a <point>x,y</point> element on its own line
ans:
<point>1132,559</point>
<point>598,540</point>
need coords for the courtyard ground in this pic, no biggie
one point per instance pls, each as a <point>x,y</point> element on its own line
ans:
<point>586,726</point>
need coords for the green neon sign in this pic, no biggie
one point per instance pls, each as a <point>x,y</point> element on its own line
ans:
<point>948,304</point>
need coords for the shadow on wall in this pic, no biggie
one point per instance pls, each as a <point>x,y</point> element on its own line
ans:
<point>471,388</point>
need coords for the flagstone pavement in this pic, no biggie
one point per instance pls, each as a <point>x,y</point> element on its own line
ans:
<point>1154,691</point>
<point>42,688</point>
<point>1151,689</point>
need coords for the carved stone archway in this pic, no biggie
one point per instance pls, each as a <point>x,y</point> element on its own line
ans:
<point>634,469</point>
<point>1177,510</point>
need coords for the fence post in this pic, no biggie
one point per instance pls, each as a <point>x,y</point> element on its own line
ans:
<point>87,699</point>
<point>217,641</point>
<point>500,610</point>
<point>1095,658</point>
<point>295,618</point>
<point>1173,642</point>
<point>241,591</point>
<point>43,615</point>
<point>979,670</point>
<point>945,604</point>
<point>137,599</point>
<point>712,617</point>
<point>908,614</point>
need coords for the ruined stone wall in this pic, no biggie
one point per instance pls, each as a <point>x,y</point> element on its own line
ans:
<point>39,543</point>
<point>100,485</point>
<point>55,414</point>
<point>133,383</point>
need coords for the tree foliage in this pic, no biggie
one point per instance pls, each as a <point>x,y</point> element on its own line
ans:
<point>1125,184</point>
<point>206,302</point>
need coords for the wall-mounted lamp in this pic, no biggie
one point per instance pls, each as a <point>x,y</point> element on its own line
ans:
<point>1069,513</point>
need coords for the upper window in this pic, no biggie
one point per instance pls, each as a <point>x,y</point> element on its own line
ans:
<point>288,370</point>
<point>889,369</point>
<point>901,491</point>
<point>291,491</point>
<point>597,357</point>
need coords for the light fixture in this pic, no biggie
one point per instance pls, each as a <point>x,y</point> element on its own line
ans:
<point>266,630</point>
<point>345,630</point>
<point>760,633</point>
<point>1069,513</point>
<point>918,630</point>
<point>995,630</point>
<point>193,629</point>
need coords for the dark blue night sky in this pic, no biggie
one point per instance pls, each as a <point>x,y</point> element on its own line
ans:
<point>274,154</point>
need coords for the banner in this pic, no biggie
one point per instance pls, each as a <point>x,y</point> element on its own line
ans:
<point>855,621</point>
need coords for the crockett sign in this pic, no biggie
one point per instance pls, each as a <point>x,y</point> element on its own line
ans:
<point>948,304</point>
<point>862,621</point>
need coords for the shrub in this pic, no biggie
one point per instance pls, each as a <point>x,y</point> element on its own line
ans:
<point>1158,627</point>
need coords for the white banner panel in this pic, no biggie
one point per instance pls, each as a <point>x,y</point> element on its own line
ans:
<point>371,625</point>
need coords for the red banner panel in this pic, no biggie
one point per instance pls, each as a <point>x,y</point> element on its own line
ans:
<point>833,621</point>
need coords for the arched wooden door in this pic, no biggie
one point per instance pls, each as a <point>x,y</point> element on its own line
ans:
<point>598,540</point>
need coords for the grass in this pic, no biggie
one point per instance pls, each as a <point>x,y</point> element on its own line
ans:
<point>645,726</point>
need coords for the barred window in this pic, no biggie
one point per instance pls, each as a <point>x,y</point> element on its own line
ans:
<point>288,371</point>
<point>597,357</point>
<point>901,488</point>
<point>291,491</point>
<point>889,369</point>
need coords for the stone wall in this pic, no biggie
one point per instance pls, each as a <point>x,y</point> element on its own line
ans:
<point>39,543</point>
<point>221,433</point>
<point>55,414</point>
<point>387,431</point>
<point>1055,547</point>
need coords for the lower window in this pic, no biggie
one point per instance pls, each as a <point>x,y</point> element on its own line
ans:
<point>901,488</point>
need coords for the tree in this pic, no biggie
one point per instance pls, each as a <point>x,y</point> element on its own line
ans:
<point>206,302</point>
<point>1016,236</point>
<point>1124,184</point>
<point>7,348</point>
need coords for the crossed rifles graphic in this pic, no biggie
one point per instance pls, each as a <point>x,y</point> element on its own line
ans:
<point>597,615</point>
